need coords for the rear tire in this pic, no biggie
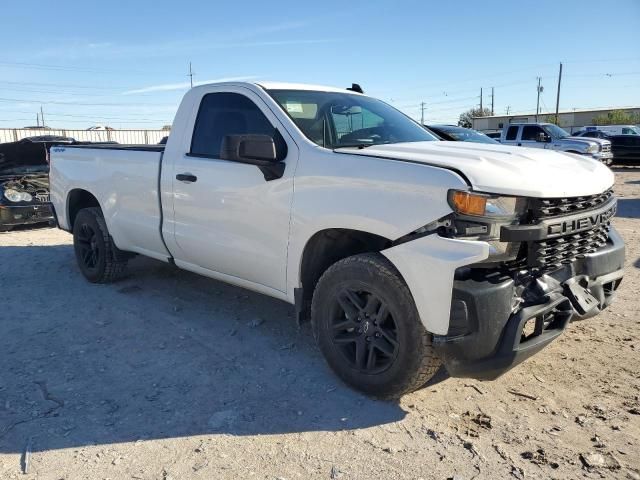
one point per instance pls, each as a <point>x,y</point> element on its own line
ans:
<point>99,260</point>
<point>367,326</point>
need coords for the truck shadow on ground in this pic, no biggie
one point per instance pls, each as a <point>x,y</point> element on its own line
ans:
<point>162,353</point>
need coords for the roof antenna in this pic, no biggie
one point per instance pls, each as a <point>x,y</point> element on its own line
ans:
<point>355,88</point>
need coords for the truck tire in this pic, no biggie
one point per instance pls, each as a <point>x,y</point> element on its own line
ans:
<point>99,259</point>
<point>367,326</point>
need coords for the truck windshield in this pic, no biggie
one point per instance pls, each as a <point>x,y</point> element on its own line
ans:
<point>556,132</point>
<point>339,120</point>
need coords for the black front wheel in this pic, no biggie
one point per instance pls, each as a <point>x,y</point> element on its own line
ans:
<point>367,326</point>
<point>98,258</point>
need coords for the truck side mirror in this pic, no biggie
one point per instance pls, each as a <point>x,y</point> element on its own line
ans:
<point>264,151</point>
<point>254,149</point>
<point>543,137</point>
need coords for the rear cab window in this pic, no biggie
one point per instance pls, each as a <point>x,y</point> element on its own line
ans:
<point>512,132</point>
<point>223,114</point>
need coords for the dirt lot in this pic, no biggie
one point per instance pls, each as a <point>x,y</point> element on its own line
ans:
<point>170,375</point>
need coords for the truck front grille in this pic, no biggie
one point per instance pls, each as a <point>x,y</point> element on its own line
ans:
<point>554,207</point>
<point>606,148</point>
<point>553,253</point>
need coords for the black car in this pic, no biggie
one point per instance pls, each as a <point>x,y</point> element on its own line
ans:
<point>460,134</point>
<point>24,181</point>
<point>625,148</point>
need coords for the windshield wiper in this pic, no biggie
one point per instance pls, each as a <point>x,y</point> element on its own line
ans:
<point>357,145</point>
<point>354,145</point>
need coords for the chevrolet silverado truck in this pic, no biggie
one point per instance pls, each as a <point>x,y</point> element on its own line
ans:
<point>405,252</point>
<point>551,137</point>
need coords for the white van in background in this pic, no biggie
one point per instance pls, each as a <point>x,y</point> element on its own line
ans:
<point>615,129</point>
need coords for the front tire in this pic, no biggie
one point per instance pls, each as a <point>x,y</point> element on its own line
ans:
<point>367,326</point>
<point>98,258</point>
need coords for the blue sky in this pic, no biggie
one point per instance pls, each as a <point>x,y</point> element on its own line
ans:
<point>125,63</point>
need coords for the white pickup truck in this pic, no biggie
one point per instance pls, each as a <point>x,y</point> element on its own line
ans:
<point>551,137</point>
<point>404,251</point>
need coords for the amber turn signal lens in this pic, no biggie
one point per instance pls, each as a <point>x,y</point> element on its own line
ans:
<point>468,204</point>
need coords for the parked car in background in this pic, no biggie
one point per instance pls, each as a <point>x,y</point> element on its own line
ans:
<point>552,137</point>
<point>24,181</point>
<point>625,148</point>
<point>405,252</point>
<point>591,134</point>
<point>615,129</point>
<point>459,134</point>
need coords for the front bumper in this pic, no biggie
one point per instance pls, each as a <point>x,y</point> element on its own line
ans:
<point>487,336</point>
<point>15,215</point>
<point>604,157</point>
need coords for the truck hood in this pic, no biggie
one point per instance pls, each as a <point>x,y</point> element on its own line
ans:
<point>599,141</point>
<point>503,169</point>
<point>577,141</point>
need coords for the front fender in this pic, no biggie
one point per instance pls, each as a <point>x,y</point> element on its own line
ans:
<point>428,265</point>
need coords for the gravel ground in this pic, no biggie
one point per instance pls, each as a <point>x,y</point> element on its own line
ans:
<point>170,375</point>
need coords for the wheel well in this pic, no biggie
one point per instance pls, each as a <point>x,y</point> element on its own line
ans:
<point>326,248</point>
<point>77,200</point>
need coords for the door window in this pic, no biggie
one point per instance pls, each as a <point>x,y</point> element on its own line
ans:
<point>512,133</point>
<point>223,114</point>
<point>530,132</point>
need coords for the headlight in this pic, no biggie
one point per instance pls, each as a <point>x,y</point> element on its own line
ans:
<point>593,148</point>
<point>481,205</point>
<point>481,216</point>
<point>16,196</point>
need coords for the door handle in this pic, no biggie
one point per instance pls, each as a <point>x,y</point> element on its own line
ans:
<point>519,144</point>
<point>186,177</point>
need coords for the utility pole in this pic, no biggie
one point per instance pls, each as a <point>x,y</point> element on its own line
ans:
<point>422,104</point>
<point>481,100</point>
<point>190,75</point>
<point>492,101</point>
<point>42,115</point>
<point>558,96</point>
<point>540,89</point>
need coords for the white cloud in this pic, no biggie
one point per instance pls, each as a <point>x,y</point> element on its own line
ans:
<point>167,87</point>
<point>99,45</point>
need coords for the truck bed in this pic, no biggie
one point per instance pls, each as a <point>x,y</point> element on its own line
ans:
<point>125,180</point>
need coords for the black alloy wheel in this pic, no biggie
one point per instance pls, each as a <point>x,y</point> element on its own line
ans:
<point>98,258</point>
<point>88,247</point>
<point>367,327</point>
<point>364,331</point>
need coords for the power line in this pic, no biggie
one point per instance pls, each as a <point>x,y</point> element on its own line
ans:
<point>41,66</point>
<point>84,104</point>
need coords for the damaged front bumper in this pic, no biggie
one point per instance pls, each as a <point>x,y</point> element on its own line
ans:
<point>497,321</point>
<point>15,215</point>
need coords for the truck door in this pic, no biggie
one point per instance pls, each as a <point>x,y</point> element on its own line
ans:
<point>529,136</point>
<point>227,218</point>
